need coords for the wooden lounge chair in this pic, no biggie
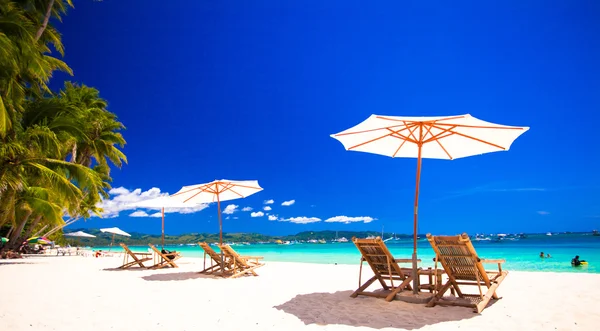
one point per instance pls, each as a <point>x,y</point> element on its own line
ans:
<point>463,267</point>
<point>240,265</point>
<point>385,268</point>
<point>164,260</point>
<point>215,260</point>
<point>138,258</point>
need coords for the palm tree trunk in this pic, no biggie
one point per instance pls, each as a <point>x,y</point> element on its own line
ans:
<point>14,237</point>
<point>45,22</point>
<point>74,153</point>
<point>35,222</point>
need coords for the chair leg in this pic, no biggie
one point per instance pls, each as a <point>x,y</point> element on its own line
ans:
<point>363,287</point>
<point>398,289</point>
<point>439,295</point>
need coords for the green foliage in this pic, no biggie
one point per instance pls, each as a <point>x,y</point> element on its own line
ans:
<point>56,149</point>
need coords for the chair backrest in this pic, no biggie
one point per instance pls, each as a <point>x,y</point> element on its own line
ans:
<point>210,252</point>
<point>458,257</point>
<point>158,252</point>
<point>232,254</point>
<point>378,256</point>
<point>127,250</point>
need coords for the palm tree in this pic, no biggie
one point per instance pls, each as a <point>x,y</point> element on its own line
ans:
<point>25,63</point>
<point>56,150</point>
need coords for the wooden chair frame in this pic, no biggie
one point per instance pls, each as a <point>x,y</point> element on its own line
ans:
<point>459,259</point>
<point>163,259</point>
<point>138,258</point>
<point>215,260</point>
<point>384,266</point>
<point>240,265</point>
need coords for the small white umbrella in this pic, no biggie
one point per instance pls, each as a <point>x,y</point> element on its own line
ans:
<point>115,231</point>
<point>217,191</point>
<point>79,234</point>
<point>162,203</point>
<point>439,137</point>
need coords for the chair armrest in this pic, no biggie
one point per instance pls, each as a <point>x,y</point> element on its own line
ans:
<point>492,260</point>
<point>251,257</point>
<point>405,260</point>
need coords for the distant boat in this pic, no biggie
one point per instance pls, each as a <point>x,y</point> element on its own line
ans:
<point>549,234</point>
<point>595,233</point>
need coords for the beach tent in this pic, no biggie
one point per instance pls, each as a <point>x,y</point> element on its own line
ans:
<point>162,203</point>
<point>217,191</point>
<point>435,137</point>
<point>115,231</point>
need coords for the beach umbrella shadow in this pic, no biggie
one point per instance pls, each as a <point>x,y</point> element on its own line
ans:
<point>339,308</point>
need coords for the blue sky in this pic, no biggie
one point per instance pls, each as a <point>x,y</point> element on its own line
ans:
<point>252,90</point>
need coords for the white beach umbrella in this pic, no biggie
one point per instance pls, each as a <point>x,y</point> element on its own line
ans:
<point>162,203</point>
<point>217,191</point>
<point>441,137</point>
<point>79,234</point>
<point>115,231</point>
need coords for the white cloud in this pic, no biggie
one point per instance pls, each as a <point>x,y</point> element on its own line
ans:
<point>230,209</point>
<point>267,208</point>
<point>543,212</point>
<point>247,209</point>
<point>348,220</point>
<point>288,203</point>
<point>269,202</point>
<point>123,199</point>
<point>272,217</point>
<point>139,213</point>
<point>302,220</point>
<point>158,214</point>
<point>235,217</point>
<point>257,214</point>
<point>118,191</point>
<point>227,217</point>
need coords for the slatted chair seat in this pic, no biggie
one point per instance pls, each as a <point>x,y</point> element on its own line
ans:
<point>164,260</point>
<point>138,258</point>
<point>215,261</point>
<point>386,270</point>
<point>240,265</point>
<point>457,256</point>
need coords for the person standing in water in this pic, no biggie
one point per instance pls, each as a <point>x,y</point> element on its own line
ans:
<point>542,254</point>
<point>576,261</point>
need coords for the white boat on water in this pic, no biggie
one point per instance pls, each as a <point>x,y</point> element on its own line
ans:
<point>549,234</point>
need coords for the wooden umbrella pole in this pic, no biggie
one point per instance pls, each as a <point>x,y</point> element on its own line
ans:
<point>162,238</point>
<point>220,232</point>
<point>416,217</point>
<point>112,242</point>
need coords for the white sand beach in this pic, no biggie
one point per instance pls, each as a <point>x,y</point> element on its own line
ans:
<point>82,293</point>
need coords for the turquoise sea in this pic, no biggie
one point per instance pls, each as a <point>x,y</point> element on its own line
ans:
<point>520,254</point>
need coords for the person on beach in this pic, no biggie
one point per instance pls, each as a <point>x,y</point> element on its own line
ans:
<point>169,254</point>
<point>576,261</point>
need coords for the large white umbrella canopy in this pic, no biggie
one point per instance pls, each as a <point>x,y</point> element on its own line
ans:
<point>116,231</point>
<point>162,203</point>
<point>79,234</point>
<point>436,137</point>
<point>217,191</point>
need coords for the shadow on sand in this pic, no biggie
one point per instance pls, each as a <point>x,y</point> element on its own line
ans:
<point>166,277</point>
<point>339,308</point>
<point>12,261</point>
